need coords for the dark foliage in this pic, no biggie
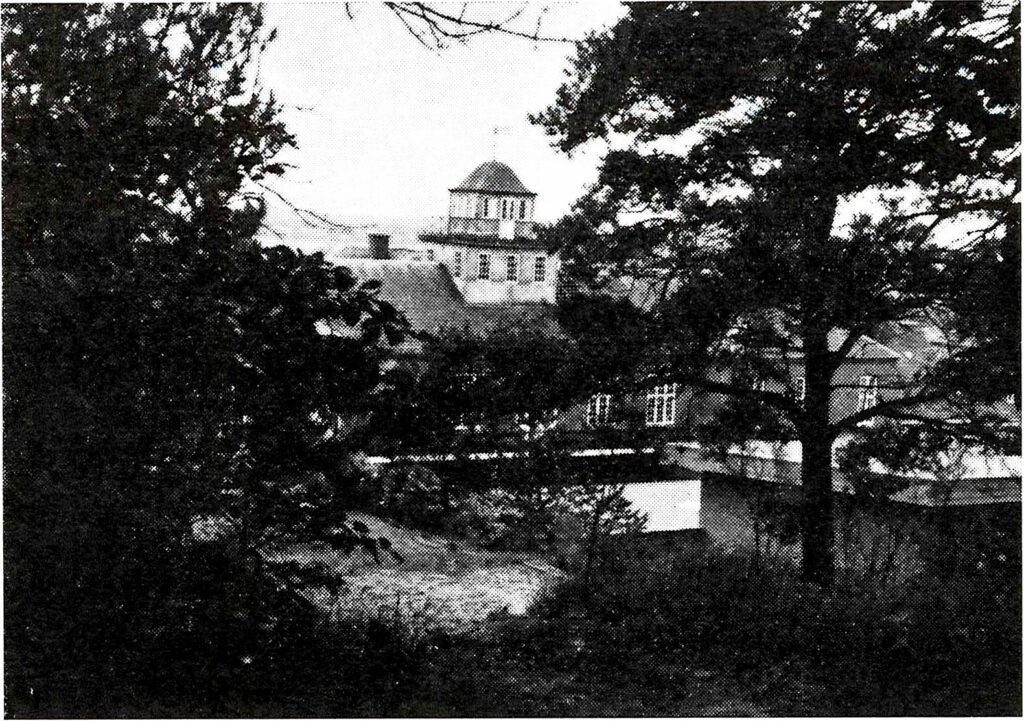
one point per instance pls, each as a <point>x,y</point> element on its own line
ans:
<point>669,631</point>
<point>752,124</point>
<point>162,372</point>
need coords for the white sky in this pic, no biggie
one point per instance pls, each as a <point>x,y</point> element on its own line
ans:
<point>385,126</point>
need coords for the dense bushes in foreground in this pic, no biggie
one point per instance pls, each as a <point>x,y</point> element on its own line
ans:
<point>660,630</point>
<point>699,632</point>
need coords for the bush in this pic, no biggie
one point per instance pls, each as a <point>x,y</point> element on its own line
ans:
<point>666,620</point>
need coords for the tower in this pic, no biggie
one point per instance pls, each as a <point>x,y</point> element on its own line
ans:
<point>489,245</point>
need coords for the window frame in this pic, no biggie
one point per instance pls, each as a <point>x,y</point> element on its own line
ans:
<point>867,392</point>
<point>660,406</point>
<point>540,269</point>
<point>599,410</point>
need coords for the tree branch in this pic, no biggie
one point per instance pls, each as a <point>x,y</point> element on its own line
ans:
<point>444,26</point>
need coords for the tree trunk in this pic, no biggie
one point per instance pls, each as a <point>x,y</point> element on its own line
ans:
<point>817,522</point>
<point>818,534</point>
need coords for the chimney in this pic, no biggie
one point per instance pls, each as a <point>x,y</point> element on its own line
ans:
<point>379,249</point>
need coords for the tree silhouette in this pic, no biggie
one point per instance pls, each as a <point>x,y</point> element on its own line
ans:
<point>751,124</point>
<point>161,369</point>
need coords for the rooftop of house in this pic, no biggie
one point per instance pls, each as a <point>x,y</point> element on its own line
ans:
<point>493,177</point>
<point>487,241</point>
<point>427,295</point>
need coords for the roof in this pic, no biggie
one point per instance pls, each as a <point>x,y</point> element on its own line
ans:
<point>424,291</point>
<point>427,295</point>
<point>345,253</point>
<point>921,343</point>
<point>486,241</point>
<point>493,177</point>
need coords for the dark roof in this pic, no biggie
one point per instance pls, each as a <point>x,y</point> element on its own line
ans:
<point>485,241</point>
<point>340,255</point>
<point>425,292</point>
<point>427,295</point>
<point>493,177</point>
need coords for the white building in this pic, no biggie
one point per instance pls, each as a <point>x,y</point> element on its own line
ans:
<point>489,245</point>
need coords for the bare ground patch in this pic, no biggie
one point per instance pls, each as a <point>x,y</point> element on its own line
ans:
<point>435,583</point>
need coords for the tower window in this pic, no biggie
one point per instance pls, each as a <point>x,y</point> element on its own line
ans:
<point>485,267</point>
<point>511,268</point>
<point>457,265</point>
<point>487,207</point>
<point>539,269</point>
<point>522,209</point>
<point>504,208</point>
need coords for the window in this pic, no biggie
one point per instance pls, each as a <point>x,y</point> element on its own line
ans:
<point>867,395</point>
<point>661,405</point>
<point>522,209</point>
<point>430,254</point>
<point>800,386</point>
<point>487,207</point>
<point>504,208</point>
<point>457,265</point>
<point>597,409</point>
<point>539,269</point>
<point>485,266</point>
<point>511,268</point>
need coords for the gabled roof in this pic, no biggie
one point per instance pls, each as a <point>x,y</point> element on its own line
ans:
<point>493,177</point>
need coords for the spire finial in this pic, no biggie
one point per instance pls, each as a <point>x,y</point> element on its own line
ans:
<point>494,139</point>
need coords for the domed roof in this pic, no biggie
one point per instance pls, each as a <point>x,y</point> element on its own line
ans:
<point>493,177</point>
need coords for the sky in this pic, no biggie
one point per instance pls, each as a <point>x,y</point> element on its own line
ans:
<point>386,126</point>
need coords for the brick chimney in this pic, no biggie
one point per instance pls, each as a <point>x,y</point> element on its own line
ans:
<point>379,246</point>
